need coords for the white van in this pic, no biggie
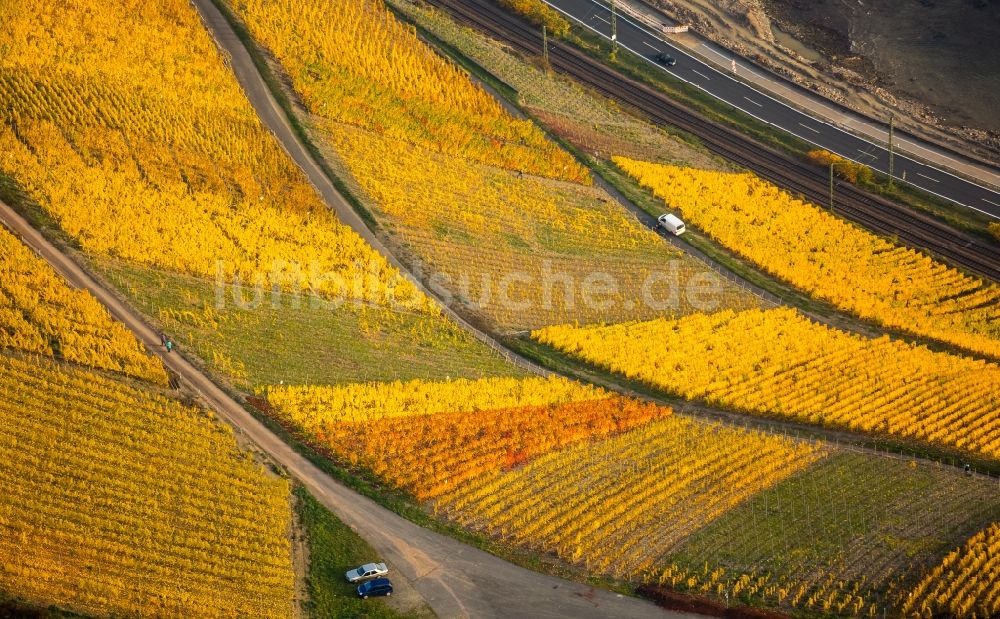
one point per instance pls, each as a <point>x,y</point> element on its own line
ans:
<point>671,224</point>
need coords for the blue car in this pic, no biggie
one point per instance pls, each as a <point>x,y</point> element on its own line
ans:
<point>379,586</point>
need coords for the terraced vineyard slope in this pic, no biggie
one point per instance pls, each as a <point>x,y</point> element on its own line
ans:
<point>965,584</point>
<point>40,314</point>
<point>118,501</point>
<point>778,363</point>
<point>830,258</point>
<point>130,133</point>
<point>521,241</point>
<point>124,131</point>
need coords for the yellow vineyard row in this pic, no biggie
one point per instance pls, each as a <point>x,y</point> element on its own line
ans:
<point>830,258</point>
<point>353,62</point>
<point>131,133</point>
<point>312,407</point>
<point>778,363</point>
<point>118,502</point>
<point>966,584</point>
<point>40,313</point>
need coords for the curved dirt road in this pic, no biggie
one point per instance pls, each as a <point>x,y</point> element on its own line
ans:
<point>273,117</point>
<point>456,580</point>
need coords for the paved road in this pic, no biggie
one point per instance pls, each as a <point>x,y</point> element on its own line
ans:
<point>641,40</point>
<point>456,580</point>
<point>820,107</point>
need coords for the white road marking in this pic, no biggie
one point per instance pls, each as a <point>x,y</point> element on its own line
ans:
<point>602,19</point>
<point>752,101</point>
<point>702,74</point>
<point>899,155</point>
<point>809,128</point>
<point>928,177</point>
<point>991,202</point>
<point>867,154</point>
<point>653,46</point>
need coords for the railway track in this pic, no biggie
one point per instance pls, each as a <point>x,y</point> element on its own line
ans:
<point>874,213</point>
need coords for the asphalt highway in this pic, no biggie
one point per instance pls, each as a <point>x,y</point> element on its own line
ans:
<point>641,40</point>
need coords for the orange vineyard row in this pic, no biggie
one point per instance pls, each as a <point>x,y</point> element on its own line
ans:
<point>431,455</point>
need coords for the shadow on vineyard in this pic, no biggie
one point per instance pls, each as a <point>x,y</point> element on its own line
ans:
<point>852,531</point>
<point>293,342</point>
<point>129,138</point>
<point>12,609</point>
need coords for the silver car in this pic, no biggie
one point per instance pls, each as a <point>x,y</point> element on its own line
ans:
<point>368,570</point>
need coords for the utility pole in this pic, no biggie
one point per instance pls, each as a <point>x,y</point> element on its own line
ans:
<point>892,122</point>
<point>614,30</point>
<point>545,47</point>
<point>832,165</point>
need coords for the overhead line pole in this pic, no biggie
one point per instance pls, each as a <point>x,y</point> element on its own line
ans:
<point>614,30</point>
<point>833,164</point>
<point>545,47</point>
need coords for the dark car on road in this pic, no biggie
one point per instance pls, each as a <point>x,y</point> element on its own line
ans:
<point>375,588</point>
<point>665,59</point>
